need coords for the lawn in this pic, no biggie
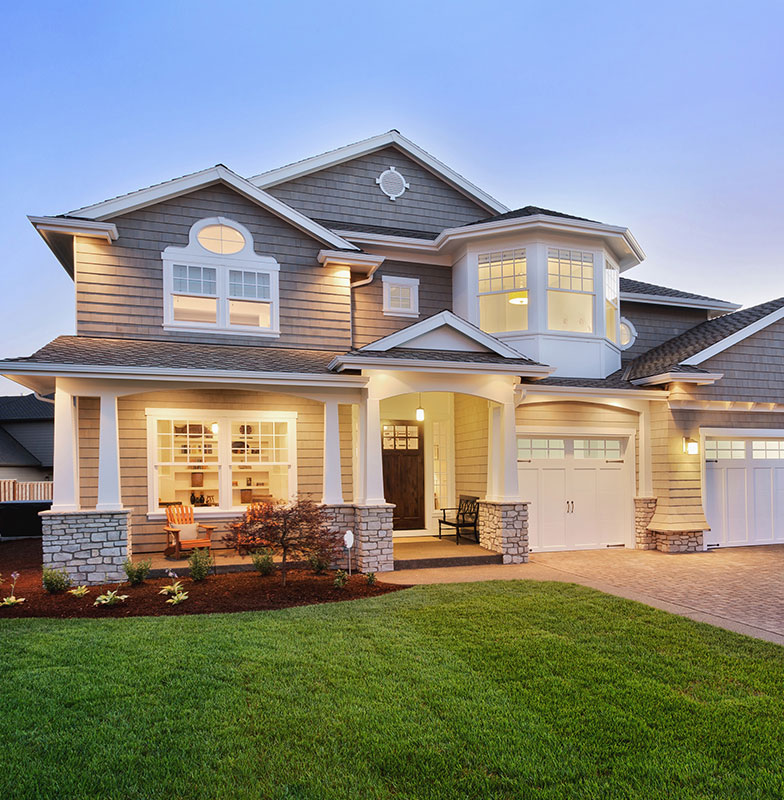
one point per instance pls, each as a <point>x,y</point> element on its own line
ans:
<point>492,690</point>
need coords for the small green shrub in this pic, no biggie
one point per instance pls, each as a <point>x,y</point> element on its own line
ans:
<point>137,572</point>
<point>111,598</point>
<point>371,578</point>
<point>341,578</point>
<point>56,580</point>
<point>319,562</point>
<point>172,589</point>
<point>178,598</point>
<point>79,591</point>
<point>200,564</point>
<point>262,561</point>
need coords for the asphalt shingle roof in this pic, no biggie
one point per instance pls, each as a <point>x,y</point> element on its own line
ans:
<point>638,287</point>
<point>455,356</point>
<point>14,454</point>
<point>667,356</point>
<point>104,352</point>
<point>383,230</point>
<point>614,381</point>
<point>528,211</point>
<point>17,408</point>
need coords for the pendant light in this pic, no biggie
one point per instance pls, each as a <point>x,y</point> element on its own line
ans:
<point>420,412</point>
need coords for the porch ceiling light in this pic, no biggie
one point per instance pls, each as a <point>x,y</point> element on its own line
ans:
<point>519,298</point>
<point>691,446</point>
<point>420,412</point>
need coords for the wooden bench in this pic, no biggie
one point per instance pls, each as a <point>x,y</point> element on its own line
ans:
<point>465,518</point>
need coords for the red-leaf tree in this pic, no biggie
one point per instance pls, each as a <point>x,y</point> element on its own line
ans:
<point>294,530</point>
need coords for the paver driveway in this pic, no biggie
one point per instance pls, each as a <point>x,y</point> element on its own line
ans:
<point>741,588</point>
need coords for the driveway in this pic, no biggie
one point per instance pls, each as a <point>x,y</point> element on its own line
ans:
<point>739,588</point>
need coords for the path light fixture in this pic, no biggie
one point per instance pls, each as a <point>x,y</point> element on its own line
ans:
<point>691,447</point>
<point>348,543</point>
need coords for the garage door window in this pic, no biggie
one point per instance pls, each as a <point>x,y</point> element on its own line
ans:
<point>608,449</point>
<point>768,449</point>
<point>725,449</point>
<point>528,449</point>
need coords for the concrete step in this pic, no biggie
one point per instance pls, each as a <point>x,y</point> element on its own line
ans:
<point>448,561</point>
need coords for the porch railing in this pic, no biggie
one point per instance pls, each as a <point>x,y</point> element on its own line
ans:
<point>12,490</point>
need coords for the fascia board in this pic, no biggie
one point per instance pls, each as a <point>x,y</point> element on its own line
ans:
<point>75,227</point>
<point>681,302</point>
<point>698,379</point>
<point>580,391</point>
<point>735,338</point>
<point>422,365</point>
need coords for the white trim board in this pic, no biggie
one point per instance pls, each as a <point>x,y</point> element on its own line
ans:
<point>683,302</point>
<point>697,378</point>
<point>735,338</point>
<point>196,180</point>
<point>391,138</point>
<point>745,433</point>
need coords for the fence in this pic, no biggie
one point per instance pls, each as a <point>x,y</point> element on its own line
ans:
<point>12,491</point>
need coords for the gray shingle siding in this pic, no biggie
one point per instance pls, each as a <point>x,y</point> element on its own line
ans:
<point>348,194</point>
<point>119,288</point>
<point>656,324</point>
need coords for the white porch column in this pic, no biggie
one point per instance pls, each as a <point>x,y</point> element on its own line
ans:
<point>509,488</point>
<point>372,477</point>
<point>65,495</point>
<point>109,498</point>
<point>333,484</point>
<point>494,452</point>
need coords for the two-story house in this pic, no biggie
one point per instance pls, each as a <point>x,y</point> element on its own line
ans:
<point>369,329</point>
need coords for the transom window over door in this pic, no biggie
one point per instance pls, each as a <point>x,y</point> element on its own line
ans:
<point>503,291</point>
<point>218,282</point>
<point>570,290</point>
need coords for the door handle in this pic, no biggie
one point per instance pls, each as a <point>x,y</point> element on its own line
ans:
<point>570,506</point>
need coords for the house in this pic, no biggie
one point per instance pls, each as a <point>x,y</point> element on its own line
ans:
<point>26,438</point>
<point>368,328</point>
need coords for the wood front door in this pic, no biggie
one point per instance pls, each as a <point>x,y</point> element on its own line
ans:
<point>402,446</point>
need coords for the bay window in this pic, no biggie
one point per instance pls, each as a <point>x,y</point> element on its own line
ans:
<point>570,290</point>
<point>220,460</point>
<point>219,283</point>
<point>503,291</point>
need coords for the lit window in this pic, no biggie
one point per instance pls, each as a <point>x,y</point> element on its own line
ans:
<point>570,291</point>
<point>529,449</point>
<point>725,449</point>
<point>768,449</point>
<point>222,460</point>
<point>503,291</point>
<point>608,449</point>
<point>611,300</point>
<point>401,296</point>
<point>628,334</point>
<point>219,283</point>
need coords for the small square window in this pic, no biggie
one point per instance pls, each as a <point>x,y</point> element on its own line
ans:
<point>401,296</point>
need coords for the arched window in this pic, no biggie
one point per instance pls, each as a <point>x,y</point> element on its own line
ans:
<point>219,283</point>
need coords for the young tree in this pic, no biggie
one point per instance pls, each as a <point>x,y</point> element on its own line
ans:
<point>294,530</point>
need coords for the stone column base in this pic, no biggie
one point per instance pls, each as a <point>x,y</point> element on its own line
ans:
<point>372,527</point>
<point>503,528</point>
<point>644,509</point>
<point>91,546</point>
<point>678,541</point>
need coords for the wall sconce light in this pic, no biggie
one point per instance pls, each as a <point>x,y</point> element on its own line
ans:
<point>691,446</point>
<point>519,298</point>
<point>420,412</point>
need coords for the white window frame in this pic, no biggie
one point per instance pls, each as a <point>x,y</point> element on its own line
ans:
<point>224,463</point>
<point>246,260</point>
<point>632,333</point>
<point>388,281</point>
<point>611,268</point>
<point>593,293</point>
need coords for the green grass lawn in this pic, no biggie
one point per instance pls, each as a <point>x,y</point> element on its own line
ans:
<point>493,690</point>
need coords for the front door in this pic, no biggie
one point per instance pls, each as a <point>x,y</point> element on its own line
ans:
<point>403,454</point>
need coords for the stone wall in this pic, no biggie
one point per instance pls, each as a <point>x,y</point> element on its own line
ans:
<point>644,509</point>
<point>372,527</point>
<point>91,546</point>
<point>679,541</point>
<point>503,528</point>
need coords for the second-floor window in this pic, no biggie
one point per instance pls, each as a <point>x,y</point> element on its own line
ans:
<point>218,282</point>
<point>503,291</point>
<point>570,290</point>
<point>611,285</point>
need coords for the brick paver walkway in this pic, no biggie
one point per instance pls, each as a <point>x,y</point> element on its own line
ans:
<point>741,588</point>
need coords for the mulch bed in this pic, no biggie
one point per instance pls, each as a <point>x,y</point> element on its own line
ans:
<point>236,591</point>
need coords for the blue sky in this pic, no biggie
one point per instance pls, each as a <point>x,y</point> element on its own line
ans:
<point>664,117</point>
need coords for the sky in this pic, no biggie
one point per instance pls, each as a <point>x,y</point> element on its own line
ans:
<point>666,118</point>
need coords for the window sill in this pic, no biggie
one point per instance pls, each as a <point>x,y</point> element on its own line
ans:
<point>222,331</point>
<point>406,314</point>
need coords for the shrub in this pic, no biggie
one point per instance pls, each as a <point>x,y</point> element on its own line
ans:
<point>79,591</point>
<point>178,598</point>
<point>200,564</point>
<point>262,561</point>
<point>341,578</point>
<point>296,529</point>
<point>56,580</point>
<point>371,578</point>
<point>110,598</point>
<point>318,563</point>
<point>136,572</point>
<point>172,588</point>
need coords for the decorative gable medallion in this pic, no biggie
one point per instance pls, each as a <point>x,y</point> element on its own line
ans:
<point>392,183</point>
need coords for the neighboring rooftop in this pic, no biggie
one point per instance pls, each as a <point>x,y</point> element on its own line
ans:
<point>14,454</point>
<point>23,407</point>
<point>667,357</point>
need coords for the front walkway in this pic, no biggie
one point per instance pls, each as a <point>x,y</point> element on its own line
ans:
<point>738,588</point>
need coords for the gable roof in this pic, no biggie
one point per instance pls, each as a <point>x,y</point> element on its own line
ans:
<point>21,408</point>
<point>14,454</point>
<point>391,138</point>
<point>685,352</point>
<point>196,180</point>
<point>639,292</point>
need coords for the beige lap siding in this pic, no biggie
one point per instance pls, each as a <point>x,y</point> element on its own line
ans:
<point>345,424</point>
<point>148,536</point>
<point>471,440</point>
<point>88,414</point>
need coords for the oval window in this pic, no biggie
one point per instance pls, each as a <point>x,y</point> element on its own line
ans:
<point>628,334</point>
<point>221,239</point>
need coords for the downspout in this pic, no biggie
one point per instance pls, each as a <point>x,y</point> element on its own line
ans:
<point>364,282</point>
<point>43,399</point>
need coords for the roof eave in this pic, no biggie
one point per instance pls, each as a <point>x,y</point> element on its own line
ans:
<point>339,363</point>
<point>694,378</point>
<point>681,302</point>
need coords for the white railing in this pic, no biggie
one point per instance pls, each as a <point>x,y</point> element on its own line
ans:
<point>13,491</point>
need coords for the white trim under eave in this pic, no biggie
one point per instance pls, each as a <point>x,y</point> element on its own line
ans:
<point>642,394</point>
<point>188,183</point>
<point>393,138</point>
<point>340,363</point>
<point>735,338</point>
<point>8,368</point>
<point>695,378</point>
<point>681,302</point>
<point>355,262</point>
<point>75,227</point>
<point>451,320</point>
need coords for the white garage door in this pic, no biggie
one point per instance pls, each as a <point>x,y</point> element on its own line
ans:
<point>579,489</point>
<point>744,491</point>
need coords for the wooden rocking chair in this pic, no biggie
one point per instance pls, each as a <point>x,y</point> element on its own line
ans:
<point>182,531</point>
